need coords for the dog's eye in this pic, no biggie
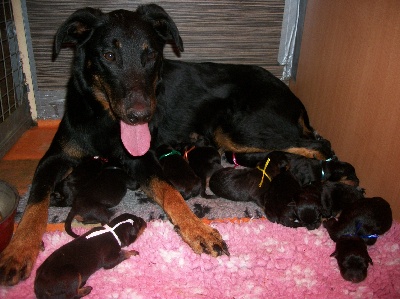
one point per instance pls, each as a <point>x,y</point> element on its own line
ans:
<point>151,55</point>
<point>110,56</point>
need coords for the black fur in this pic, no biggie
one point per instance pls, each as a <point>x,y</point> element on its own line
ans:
<point>119,79</point>
<point>363,218</point>
<point>352,258</point>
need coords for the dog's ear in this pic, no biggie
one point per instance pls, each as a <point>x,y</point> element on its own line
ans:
<point>77,28</point>
<point>162,23</point>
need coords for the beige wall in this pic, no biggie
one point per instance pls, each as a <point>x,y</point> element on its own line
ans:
<point>349,80</point>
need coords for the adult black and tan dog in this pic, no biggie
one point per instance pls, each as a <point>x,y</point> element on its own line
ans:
<point>123,99</point>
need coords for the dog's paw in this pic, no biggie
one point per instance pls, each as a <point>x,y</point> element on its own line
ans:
<point>16,263</point>
<point>203,239</point>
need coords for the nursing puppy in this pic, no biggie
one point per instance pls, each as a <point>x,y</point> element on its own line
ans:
<point>304,169</point>
<point>336,196</point>
<point>352,258</point>
<point>65,272</point>
<point>177,170</point>
<point>204,160</point>
<point>366,218</point>
<point>247,184</point>
<point>289,204</point>
<point>93,201</point>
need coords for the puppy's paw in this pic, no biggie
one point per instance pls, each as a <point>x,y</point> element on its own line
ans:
<point>203,238</point>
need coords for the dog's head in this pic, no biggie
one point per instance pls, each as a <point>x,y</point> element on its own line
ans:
<point>352,257</point>
<point>307,207</point>
<point>118,60</point>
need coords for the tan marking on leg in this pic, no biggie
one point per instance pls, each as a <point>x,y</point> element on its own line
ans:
<point>21,253</point>
<point>199,236</point>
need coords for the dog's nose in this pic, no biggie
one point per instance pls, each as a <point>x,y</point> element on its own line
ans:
<point>138,116</point>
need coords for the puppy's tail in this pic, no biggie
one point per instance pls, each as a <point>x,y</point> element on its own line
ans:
<point>68,222</point>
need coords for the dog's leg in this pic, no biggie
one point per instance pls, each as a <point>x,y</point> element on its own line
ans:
<point>200,237</point>
<point>18,258</point>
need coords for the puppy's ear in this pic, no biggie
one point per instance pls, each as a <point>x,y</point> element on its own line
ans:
<point>162,23</point>
<point>77,29</point>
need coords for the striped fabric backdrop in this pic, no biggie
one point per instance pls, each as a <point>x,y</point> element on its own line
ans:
<point>235,31</point>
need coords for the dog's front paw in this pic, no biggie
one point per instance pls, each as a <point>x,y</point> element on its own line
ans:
<point>16,263</point>
<point>203,238</point>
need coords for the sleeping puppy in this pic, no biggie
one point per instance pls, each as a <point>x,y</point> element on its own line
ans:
<point>289,204</point>
<point>93,202</point>
<point>204,160</point>
<point>305,170</point>
<point>336,196</point>
<point>366,218</point>
<point>64,273</point>
<point>177,170</point>
<point>352,257</point>
<point>65,191</point>
<point>247,184</point>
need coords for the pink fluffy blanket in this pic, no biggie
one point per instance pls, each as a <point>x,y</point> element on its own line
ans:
<point>267,261</point>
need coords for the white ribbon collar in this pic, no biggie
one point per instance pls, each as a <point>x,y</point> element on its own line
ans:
<point>107,229</point>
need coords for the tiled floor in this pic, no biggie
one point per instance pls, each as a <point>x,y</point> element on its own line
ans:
<point>18,165</point>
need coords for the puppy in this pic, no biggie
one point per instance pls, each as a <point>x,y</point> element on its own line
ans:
<point>248,184</point>
<point>336,196</point>
<point>178,172</point>
<point>64,273</point>
<point>304,169</point>
<point>95,186</point>
<point>366,218</point>
<point>352,257</point>
<point>204,160</point>
<point>289,204</point>
<point>65,191</point>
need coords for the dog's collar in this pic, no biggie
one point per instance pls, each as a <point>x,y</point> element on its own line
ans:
<point>358,227</point>
<point>264,172</point>
<point>173,152</point>
<point>185,156</point>
<point>107,229</point>
<point>234,160</point>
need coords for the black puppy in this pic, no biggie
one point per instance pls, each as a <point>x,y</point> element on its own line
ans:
<point>289,204</point>
<point>247,184</point>
<point>305,169</point>
<point>204,160</point>
<point>64,273</point>
<point>95,186</point>
<point>336,196</point>
<point>365,218</point>
<point>352,257</point>
<point>178,172</point>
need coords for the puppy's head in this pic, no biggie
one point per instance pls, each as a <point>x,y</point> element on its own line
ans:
<point>308,206</point>
<point>338,171</point>
<point>129,229</point>
<point>353,258</point>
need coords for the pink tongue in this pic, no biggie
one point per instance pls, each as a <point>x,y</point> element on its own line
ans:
<point>136,139</point>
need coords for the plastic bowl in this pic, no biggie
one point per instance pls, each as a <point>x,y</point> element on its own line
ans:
<point>9,199</point>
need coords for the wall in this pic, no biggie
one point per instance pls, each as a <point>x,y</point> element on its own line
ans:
<point>348,79</point>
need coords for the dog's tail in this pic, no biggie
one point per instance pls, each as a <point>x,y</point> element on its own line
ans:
<point>68,221</point>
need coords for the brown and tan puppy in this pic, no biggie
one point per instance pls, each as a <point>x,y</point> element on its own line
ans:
<point>65,272</point>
